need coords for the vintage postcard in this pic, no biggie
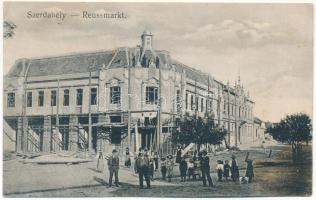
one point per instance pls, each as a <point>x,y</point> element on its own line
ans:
<point>157,99</point>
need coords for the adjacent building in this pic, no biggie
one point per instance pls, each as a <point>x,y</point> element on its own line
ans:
<point>126,97</point>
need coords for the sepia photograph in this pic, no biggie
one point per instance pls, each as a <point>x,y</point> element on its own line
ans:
<point>157,99</point>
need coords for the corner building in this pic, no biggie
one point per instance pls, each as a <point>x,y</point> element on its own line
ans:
<point>85,101</point>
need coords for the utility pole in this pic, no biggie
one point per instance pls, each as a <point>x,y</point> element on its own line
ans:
<point>129,109</point>
<point>159,109</point>
<point>236,126</point>
<point>228,112</point>
<point>195,96</point>
<point>208,95</point>
<point>57,110</point>
<point>90,121</point>
<point>219,106</point>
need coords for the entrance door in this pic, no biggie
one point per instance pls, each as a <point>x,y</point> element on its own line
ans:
<point>35,134</point>
<point>64,131</point>
<point>147,138</point>
<point>116,135</point>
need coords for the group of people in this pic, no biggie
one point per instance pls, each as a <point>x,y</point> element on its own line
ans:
<point>224,170</point>
<point>146,164</point>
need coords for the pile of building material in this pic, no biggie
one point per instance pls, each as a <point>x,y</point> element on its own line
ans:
<point>56,159</point>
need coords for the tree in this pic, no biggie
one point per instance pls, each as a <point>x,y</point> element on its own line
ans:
<point>213,134</point>
<point>293,129</point>
<point>8,29</point>
<point>184,133</point>
<point>194,129</point>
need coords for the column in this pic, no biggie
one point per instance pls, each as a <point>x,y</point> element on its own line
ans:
<point>103,143</point>
<point>73,133</point>
<point>24,133</point>
<point>47,134</point>
<point>19,137</point>
<point>100,142</point>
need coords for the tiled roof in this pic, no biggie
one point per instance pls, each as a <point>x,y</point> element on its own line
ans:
<point>78,63</point>
<point>119,60</point>
<point>191,73</point>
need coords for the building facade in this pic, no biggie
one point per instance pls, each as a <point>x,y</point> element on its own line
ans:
<point>127,97</point>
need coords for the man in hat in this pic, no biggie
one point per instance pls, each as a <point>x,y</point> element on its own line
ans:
<point>142,164</point>
<point>205,168</point>
<point>113,165</point>
<point>179,154</point>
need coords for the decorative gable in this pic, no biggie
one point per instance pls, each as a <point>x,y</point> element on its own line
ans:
<point>10,87</point>
<point>152,81</point>
<point>114,81</point>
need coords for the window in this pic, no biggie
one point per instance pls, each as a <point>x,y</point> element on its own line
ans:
<point>179,102</point>
<point>40,98</point>
<point>29,99</point>
<point>186,101</point>
<point>115,95</point>
<point>197,103</point>
<point>228,109</point>
<point>202,104</point>
<point>79,97</point>
<point>11,100</point>
<point>66,97</point>
<point>53,98</point>
<point>224,107</point>
<point>151,95</point>
<point>115,119</point>
<point>94,95</point>
<point>192,102</point>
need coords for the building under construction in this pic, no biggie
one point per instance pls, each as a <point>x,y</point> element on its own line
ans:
<point>127,97</point>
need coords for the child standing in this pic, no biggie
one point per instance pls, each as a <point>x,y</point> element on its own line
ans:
<point>151,169</point>
<point>249,170</point>
<point>170,164</point>
<point>220,169</point>
<point>183,167</point>
<point>127,158</point>
<point>190,168</point>
<point>163,165</point>
<point>226,170</point>
<point>156,157</point>
<point>197,168</point>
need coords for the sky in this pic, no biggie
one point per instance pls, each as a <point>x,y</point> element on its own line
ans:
<point>269,45</point>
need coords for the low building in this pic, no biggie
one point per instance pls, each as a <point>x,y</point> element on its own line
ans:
<point>86,100</point>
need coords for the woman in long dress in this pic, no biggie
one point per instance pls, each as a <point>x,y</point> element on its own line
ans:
<point>234,168</point>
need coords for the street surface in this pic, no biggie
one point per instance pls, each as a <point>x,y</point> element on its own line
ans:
<point>274,176</point>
